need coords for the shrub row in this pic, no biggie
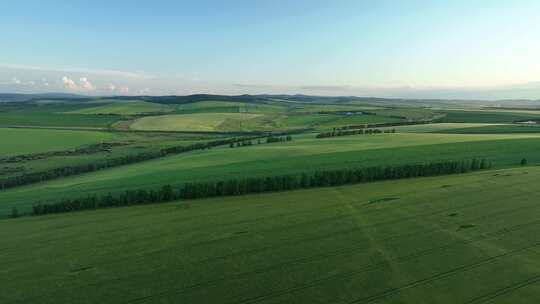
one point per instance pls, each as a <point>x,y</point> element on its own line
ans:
<point>259,185</point>
<point>354,132</point>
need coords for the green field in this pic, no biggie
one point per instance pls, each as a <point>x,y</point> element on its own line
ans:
<point>28,141</point>
<point>230,122</point>
<point>198,122</point>
<point>496,129</point>
<point>229,107</point>
<point>439,127</point>
<point>125,108</point>
<point>123,144</point>
<point>470,238</point>
<point>466,238</point>
<point>489,116</point>
<point>301,155</point>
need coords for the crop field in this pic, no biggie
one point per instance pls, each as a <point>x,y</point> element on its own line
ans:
<point>301,155</point>
<point>488,116</point>
<point>441,127</point>
<point>464,238</point>
<point>125,108</point>
<point>471,238</point>
<point>228,122</point>
<point>56,120</point>
<point>66,148</point>
<point>198,122</point>
<point>27,141</point>
<point>496,129</point>
<point>408,113</point>
<point>229,107</point>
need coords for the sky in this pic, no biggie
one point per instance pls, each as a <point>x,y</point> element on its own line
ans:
<point>478,49</point>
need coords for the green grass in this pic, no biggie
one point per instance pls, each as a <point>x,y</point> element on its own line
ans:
<point>52,115</point>
<point>340,121</point>
<point>56,119</point>
<point>228,107</point>
<point>408,113</point>
<point>438,127</point>
<point>309,108</point>
<point>300,155</point>
<point>495,129</point>
<point>124,144</point>
<point>488,116</point>
<point>230,122</point>
<point>125,108</point>
<point>454,239</point>
<point>197,122</point>
<point>28,141</point>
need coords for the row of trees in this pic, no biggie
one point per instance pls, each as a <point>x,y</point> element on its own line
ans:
<point>275,139</point>
<point>259,185</point>
<point>270,139</point>
<point>354,132</point>
<point>384,124</point>
<point>36,177</point>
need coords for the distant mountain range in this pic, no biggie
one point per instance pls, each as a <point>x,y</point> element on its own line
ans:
<point>14,97</point>
<point>10,97</point>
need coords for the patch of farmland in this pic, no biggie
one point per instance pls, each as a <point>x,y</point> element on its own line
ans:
<point>28,141</point>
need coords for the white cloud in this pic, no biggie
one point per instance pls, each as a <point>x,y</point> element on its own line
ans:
<point>86,85</point>
<point>111,87</point>
<point>15,80</point>
<point>32,83</point>
<point>69,83</point>
<point>124,90</point>
<point>83,85</point>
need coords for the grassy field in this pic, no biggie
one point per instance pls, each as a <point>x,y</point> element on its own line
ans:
<point>471,238</point>
<point>125,108</point>
<point>27,141</point>
<point>55,119</point>
<point>230,122</point>
<point>300,155</point>
<point>496,129</point>
<point>229,107</point>
<point>438,127</point>
<point>408,113</point>
<point>120,145</point>
<point>197,122</point>
<point>489,116</point>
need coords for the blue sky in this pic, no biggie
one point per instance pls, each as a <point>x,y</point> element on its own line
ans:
<point>424,49</point>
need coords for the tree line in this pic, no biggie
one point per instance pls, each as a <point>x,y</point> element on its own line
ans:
<point>384,124</point>
<point>337,132</point>
<point>269,139</point>
<point>36,177</point>
<point>198,190</point>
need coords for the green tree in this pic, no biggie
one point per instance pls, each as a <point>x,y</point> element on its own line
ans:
<point>523,162</point>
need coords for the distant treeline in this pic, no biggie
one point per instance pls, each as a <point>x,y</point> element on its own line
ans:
<point>37,177</point>
<point>354,132</point>
<point>384,124</point>
<point>90,149</point>
<point>258,185</point>
<point>269,140</point>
